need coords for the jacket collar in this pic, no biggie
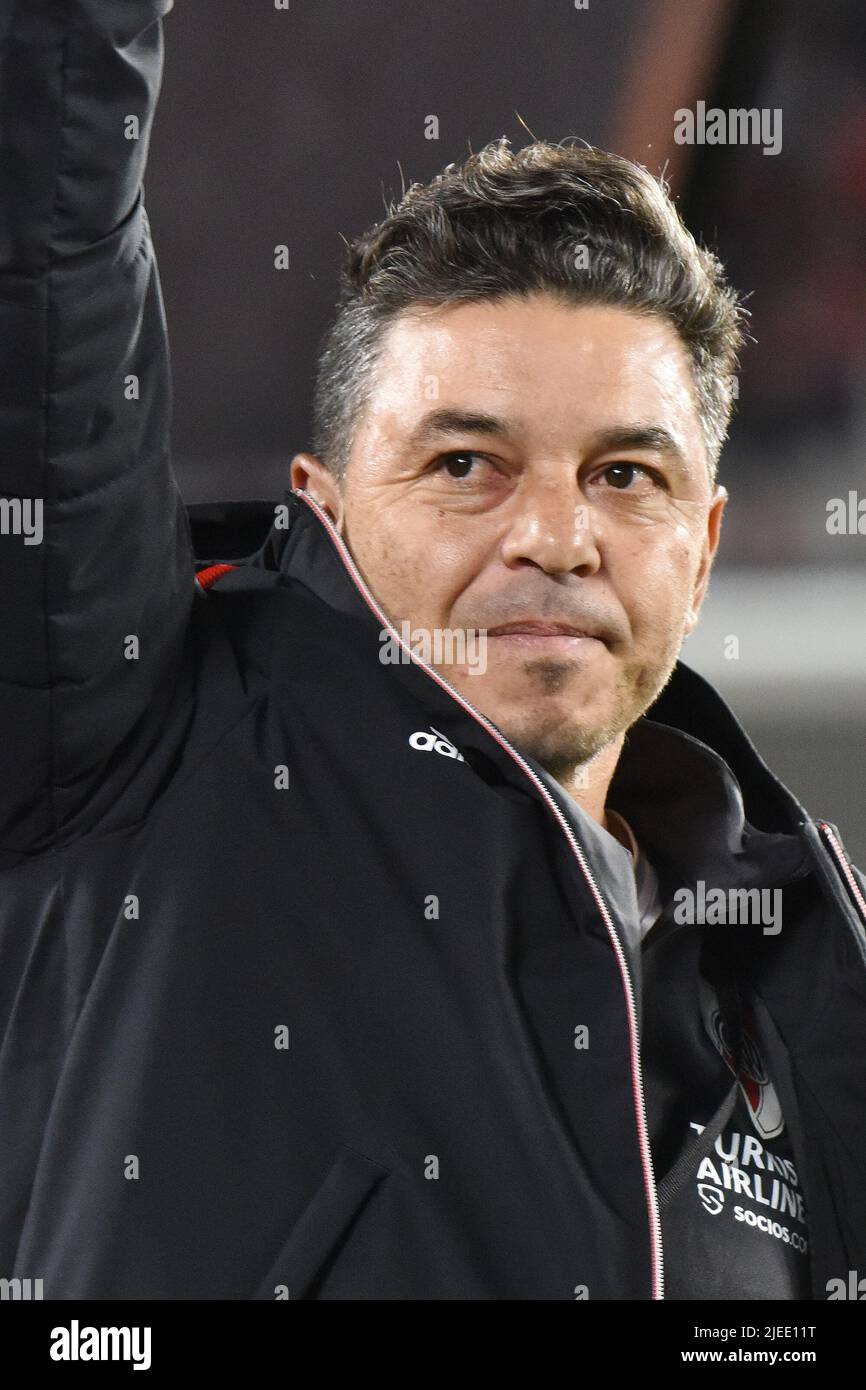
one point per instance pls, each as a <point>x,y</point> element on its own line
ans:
<point>687,806</point>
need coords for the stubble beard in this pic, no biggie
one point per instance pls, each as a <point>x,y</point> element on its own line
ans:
<point>567,744</point>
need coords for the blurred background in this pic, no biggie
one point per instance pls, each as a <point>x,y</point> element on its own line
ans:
<point>297,125</point>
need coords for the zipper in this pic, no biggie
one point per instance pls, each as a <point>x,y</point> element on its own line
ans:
<point>577,850</point>
<point>843,864</point>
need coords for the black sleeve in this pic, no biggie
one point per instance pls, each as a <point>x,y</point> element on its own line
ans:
<point>95,555</point>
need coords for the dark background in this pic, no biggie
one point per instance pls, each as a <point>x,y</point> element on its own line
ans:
<point>297,126</point>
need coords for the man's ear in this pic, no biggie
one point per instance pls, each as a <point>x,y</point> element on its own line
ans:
<point>309,473</point>
<point>708,554</point>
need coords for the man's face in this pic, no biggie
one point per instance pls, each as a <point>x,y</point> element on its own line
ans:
<point>583,501</point>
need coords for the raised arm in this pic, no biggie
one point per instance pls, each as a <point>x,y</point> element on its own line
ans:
<point>95,560</point>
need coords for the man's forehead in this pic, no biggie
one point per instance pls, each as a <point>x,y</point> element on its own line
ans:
<point>505,345</point>
<point>506,326</point>
<point>575,371</point>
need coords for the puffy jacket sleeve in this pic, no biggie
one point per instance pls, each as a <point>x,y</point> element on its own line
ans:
<point>96,568</point>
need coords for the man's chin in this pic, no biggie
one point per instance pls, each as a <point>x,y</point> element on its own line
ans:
<point>560,751</point>
<point>560,717</point>
<point>555,734</point>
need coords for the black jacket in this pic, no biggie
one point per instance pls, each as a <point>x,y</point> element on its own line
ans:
<point>288,995</point>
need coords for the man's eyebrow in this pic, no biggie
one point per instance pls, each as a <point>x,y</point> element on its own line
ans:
<point>654,437</point>
<point>447,420</point>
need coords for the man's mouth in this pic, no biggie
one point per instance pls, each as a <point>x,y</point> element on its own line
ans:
<point>543,629</point>
<point>536,635</point>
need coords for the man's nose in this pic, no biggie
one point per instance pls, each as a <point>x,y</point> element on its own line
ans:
<point>553,526</point>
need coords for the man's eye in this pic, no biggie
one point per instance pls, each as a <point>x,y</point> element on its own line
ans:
<point>457,464</point>
<point>625,471</point>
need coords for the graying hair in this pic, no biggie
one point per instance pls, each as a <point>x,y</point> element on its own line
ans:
<point>505,224</point>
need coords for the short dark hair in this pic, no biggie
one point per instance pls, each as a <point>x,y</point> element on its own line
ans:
<point>509,224</point>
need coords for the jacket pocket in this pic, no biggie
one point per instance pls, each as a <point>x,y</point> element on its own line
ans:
<point>323,1225</point>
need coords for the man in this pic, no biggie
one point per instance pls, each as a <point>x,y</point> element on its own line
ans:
<point>331,969</point>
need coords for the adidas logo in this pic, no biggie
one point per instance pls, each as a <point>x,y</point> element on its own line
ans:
<point>434,742</point>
